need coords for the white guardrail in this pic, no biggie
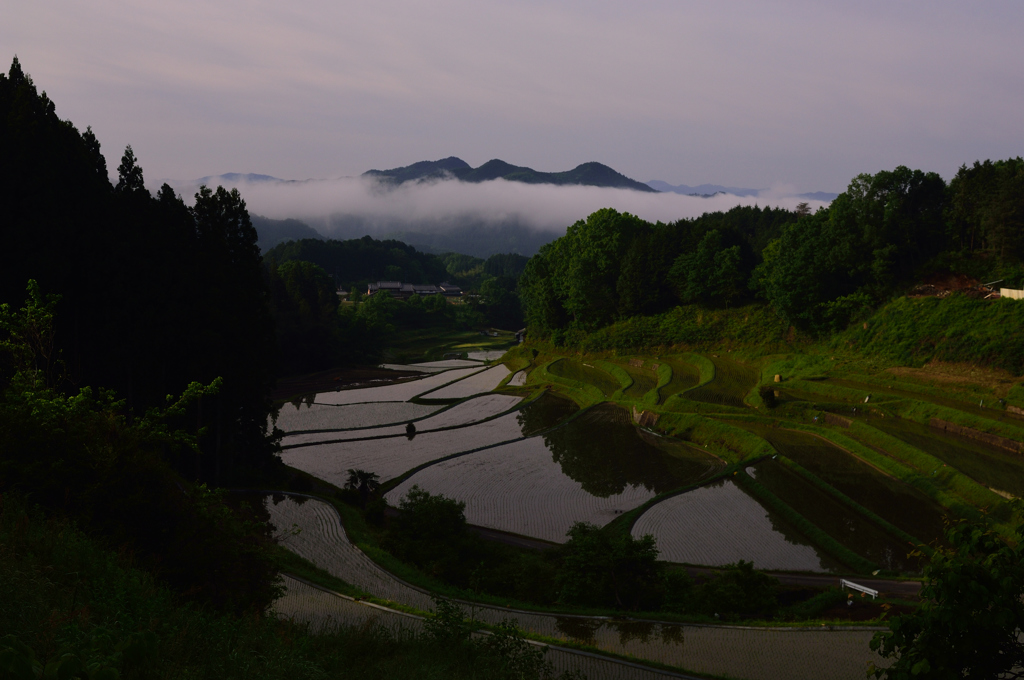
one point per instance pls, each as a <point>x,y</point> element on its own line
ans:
<point>843,583</point>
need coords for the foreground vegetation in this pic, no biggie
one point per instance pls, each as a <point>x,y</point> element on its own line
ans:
<point>75,607</point>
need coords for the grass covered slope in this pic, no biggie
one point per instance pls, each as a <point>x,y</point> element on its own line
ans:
<point>865,410</point>
<point>912,331</point>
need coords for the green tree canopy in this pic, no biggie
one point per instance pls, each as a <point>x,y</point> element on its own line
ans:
<point>971,619</point>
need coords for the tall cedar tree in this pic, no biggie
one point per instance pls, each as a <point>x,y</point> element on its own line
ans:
<point>155,294</point>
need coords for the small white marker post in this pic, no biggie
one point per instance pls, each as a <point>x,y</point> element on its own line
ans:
<point>843,583</point>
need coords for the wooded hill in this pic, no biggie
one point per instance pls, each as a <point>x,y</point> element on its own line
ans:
<point>818,272</point>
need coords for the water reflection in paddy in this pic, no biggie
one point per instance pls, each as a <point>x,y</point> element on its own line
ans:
<point>592,469</point>
<point>605,453</point>
<point>395,392</point>
<point>465,413</point>
<point>304,416</point>
<point>390,456</point>
<point>720,524</point>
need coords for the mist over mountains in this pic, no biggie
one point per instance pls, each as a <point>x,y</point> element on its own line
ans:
<point>448,206</point>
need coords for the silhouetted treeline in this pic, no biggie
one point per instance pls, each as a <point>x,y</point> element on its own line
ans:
<point>614,265</point>
<point>356,262</point>
<point>154,293</point>
<point>818,271</point>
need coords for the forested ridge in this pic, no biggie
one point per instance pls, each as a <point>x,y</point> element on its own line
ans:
<point>818,271</point>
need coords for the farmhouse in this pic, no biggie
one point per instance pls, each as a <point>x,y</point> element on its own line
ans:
<point>405,291</point>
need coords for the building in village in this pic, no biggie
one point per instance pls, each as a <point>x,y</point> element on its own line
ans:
<point>405,291</point>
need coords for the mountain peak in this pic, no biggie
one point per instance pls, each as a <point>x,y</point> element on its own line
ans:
<point>587,174</point>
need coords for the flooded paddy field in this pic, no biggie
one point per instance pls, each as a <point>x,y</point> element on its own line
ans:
<point>842,523</point>
<point>892,500</point>
<point>732,382</point>
<point>464,413</point>
<point>305,417</point>
<point>517,380</point>
<point>544,413</point>
<point>486,355</point>
<point>739,652</point>
<point>585,373</point>
<point>605,452</point>
<point>485,381</point>
<point>720,524</point>
<point>389,457</point>
<point>592,469</point>
<point>989,465</point>
<point>518,488</point>
<point>397,392</point>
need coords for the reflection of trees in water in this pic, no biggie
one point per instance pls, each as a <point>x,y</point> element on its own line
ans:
<point>544,413</point>
<point>579,629</point>
<point>633,630</point>
<point>604,452</point>
<point>584,630</point>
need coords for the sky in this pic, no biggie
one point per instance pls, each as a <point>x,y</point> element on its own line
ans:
<point>761,94</point>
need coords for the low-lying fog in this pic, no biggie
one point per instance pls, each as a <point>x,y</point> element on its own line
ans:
<point>519,216</point>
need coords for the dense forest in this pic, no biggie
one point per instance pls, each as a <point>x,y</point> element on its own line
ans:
<point>315,331</point>
<point>818,271</point>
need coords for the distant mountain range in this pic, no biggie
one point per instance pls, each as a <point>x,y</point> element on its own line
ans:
<point>708,190</point>
<point>587,174</point>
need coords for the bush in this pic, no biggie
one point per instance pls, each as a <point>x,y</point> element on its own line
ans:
<point>738,592</point>
<point>431,533</point>
<point>602,569</point>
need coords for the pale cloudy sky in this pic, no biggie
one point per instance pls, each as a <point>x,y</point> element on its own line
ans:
<point>799,93</point>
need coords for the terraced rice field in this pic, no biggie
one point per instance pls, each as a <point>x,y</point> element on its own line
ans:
<point>994,467</point>
<point>397,392</point>
<point>745,653</point>
<point>487,354</point>
<point>305,417</point>
<point>447,363</point>
<point>840,522</point>
<point>732,382</point>
<point>591,469</point>
<point>602,450</point>
<point>544,413</point>
<point>324,611</point>
<point>322,540</point>
<point>485,381</point>
<point>575,370</point>
<point>518,488</point>
<point>644,380</point>
<point>465,413</point>
<point>389,457</point>
<point>517,380</point>
<point>684,376</point>
<point>965,403</point>
<point>720,524</point>
<point>892,500</point>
